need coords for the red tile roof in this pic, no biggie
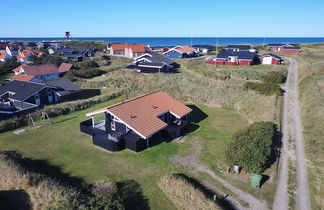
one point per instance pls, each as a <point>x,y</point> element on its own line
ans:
<point>19,67</point>
<point>134,47</point>
<point>185,49</point>
<point>65,67</point>
<point>41,69</point>
<point>2,55</point>
<point>23,77</point>
<point>141,113</point>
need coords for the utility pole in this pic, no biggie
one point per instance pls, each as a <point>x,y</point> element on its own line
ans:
<point>216,52</point>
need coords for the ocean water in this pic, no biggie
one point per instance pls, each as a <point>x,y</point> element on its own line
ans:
<point>172,41</point>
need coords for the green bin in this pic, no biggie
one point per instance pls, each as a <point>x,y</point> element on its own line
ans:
<point>256,180</point>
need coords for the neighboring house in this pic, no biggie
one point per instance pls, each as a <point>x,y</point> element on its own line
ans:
<point>53,45</point>
<point>64,89</point>
<point>183,51</point>
<point>4,56</point>
<point>238,48</point>
<point>204,48</point>
<point>23,55</point>
<point>285,48</point>
<point>128,50</point>
<point>152,62</point>
<point>161,49</point>
<point>43,72</point>
<point>77,55</point>
<point>271,59</point>
<point>18,98</point>
<point>233,58</point>
<point>138,123</point>
<point>13,50</point>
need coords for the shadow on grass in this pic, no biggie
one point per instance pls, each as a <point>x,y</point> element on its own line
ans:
<point>225,204</point>
<point>196,116</point>
<point>14,199</point>
<point>132,195</point>
<point>45,168</point>
<point>275,149</point>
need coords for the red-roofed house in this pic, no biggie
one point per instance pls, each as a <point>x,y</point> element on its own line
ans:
<point>138,123</point>
<point>43,72</point>
<point>23,55</point>
<point>183,51</point>
<point>128,50</point>
<point>4,56</point>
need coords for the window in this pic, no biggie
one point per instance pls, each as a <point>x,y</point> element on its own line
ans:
<point>49,93</point>
<point>113,125</point>
<point>37,96</point>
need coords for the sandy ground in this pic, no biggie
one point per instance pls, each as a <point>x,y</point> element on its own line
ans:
<point>292,129</point>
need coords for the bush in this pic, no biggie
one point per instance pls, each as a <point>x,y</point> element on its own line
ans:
<point>252,147</point>
<point>87,73</point>
<point>87,70</point>
<point>183,194</point>
<point>274,78</point>
<point>264,88</point>
<point>56,110</point>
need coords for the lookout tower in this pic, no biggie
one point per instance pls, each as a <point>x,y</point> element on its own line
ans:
<point>67,35</point>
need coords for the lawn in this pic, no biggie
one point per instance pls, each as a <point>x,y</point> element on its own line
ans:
<point>61,151</point>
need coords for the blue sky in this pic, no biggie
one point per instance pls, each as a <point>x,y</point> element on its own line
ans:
<point>158,18</point>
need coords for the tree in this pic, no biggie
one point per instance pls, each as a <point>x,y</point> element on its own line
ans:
<point>252,147</point>
<point>36,60</point>
<point>7,66</point>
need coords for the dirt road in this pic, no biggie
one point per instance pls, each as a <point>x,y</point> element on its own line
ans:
<point>292,129</point>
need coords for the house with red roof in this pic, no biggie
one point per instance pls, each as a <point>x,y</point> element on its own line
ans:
<point>41,72</point>
<point>4,56</point>
<point>183,51</point>
<point>23,55</point>
<point>138,123</point>
<point>128,50</point>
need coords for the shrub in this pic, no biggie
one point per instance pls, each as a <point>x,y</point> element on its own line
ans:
<point>87,73</point>
<point>183,194</point>
<point>263,88</point>
<point>252,147</point>
<point>274,78</point>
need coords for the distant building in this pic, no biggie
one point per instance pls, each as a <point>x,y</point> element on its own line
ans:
<point>76,55</point>
<point>240,48</point>
<point>204,48</point>
<point>271,59</point>
<point>233,58</point>
<point>128,50</point>
<point>23,55</point>
<point>285,48</point>
<point>183,51</point>
<point>41,72</point>
<point>152,62</point>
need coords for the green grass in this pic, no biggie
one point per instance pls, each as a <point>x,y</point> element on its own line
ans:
<point>62,145</point>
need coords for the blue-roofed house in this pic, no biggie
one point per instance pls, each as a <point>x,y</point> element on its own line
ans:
<point>233,58</point>
<point>71,54</point>
<point>238,48</point>
<point>152,62</point>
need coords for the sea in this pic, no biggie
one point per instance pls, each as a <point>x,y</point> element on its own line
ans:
<point>173,41</point>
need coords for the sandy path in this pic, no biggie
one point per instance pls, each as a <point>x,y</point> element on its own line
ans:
<point>292,129</point>
<point>192,163</point>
